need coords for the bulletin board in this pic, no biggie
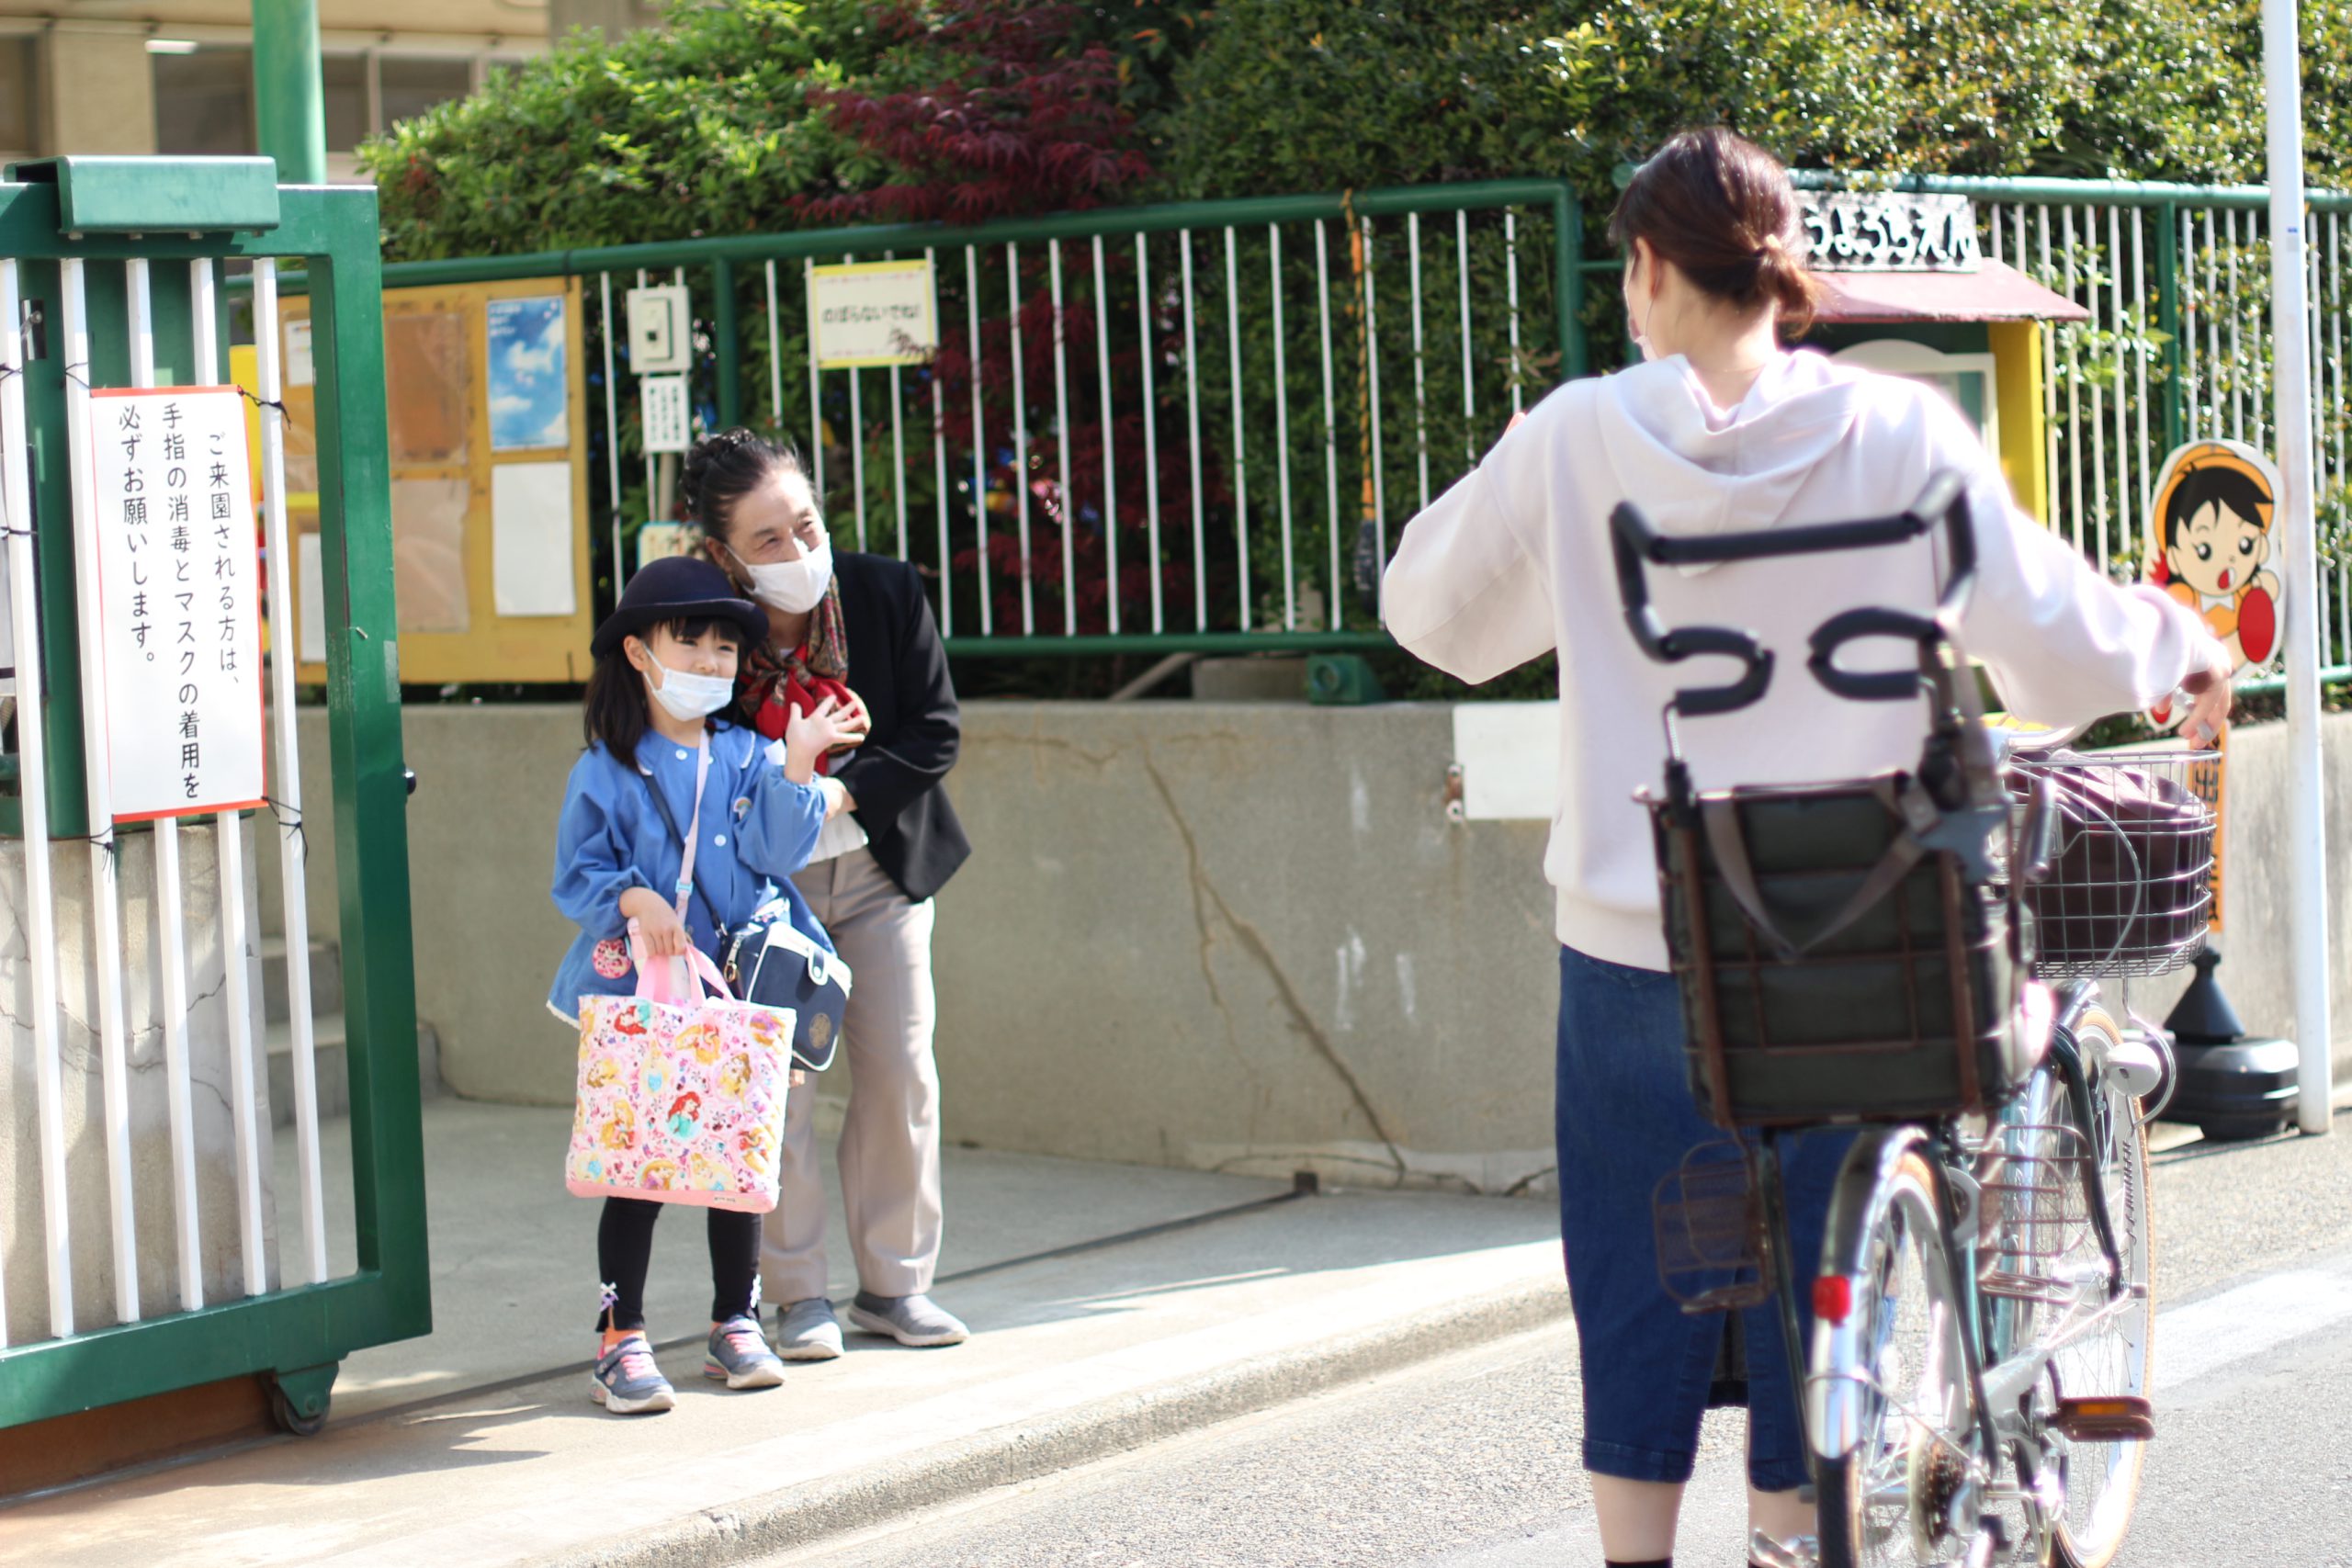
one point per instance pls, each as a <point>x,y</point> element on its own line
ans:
<point>489,458</point>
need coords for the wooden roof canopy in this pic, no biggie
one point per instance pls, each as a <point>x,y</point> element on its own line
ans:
<point>1994,291</point>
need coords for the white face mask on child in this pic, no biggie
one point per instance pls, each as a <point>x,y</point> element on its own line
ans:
<point>687,695</point>
<point>794,587</point>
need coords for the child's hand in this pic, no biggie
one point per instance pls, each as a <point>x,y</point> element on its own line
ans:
<point>655,923</point>
<point>808,735</point>
<point>799,1076</point>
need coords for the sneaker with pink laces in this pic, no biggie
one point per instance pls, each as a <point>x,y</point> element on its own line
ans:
<point>626,1380</point>
<point>739,1355</point>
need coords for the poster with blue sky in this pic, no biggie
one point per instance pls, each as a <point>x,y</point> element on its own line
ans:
<point>529,404</point>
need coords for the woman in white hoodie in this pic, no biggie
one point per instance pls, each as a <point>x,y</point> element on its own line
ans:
<point>1721,429</point>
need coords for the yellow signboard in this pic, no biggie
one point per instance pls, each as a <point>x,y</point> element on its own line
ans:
<point>863,313</point>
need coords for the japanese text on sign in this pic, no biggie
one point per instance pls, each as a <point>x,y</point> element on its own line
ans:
<point>1890,232</point>
<point>872,314</point>
<point>177,590</point>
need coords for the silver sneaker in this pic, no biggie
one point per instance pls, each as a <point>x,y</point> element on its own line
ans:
<point>808,1331</point>
<point>910,1320</point>
<point>738,1354</point>
<point>626,1382</point>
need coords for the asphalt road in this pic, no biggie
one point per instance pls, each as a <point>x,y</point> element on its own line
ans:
<point>1470,1462</point>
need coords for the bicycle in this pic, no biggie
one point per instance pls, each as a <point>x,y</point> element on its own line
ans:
<point>1976,1379</point>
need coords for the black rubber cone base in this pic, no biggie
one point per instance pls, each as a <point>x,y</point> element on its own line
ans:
<point>2244,1089</point>
<point>2203,1016</point>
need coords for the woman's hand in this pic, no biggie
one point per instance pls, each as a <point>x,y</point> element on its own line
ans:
<point>2208,699</point>
<point>808,735</point>
<point>655,923</point>
<point>860,722</point>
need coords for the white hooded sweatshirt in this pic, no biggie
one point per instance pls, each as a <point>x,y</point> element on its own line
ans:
<point>1514,561</point>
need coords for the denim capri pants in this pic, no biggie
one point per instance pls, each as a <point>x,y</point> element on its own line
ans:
<point>1624,1118</point>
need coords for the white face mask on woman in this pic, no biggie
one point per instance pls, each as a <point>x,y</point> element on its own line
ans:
<point>792,586</point>
<point>687,695</point>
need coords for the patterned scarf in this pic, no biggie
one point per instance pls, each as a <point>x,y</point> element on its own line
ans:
<point>776,683</point>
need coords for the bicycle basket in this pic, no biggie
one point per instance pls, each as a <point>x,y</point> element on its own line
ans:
<point>2130,885</point>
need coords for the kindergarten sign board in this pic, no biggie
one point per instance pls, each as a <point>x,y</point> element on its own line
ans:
<point>864,313</point>
<point>177,590</point>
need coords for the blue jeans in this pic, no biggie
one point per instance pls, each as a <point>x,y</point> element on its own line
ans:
<point>1625,1120</point>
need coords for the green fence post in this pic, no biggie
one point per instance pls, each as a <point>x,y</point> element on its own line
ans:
<point>289,98</point>
<point>2169,323</point>
<point>1568,237</point>
<point>730,344</point>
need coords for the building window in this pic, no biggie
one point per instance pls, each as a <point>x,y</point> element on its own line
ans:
<point>204,103</point>
<point>344,78</point>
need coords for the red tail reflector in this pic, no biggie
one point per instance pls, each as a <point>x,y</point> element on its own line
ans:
<point>1833,1297</point>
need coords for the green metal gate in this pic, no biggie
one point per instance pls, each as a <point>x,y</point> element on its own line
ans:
<point>111,277</point>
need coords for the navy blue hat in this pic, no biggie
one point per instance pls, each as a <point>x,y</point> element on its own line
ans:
<point>678,587</point>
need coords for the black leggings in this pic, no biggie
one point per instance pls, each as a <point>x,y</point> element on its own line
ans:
<point>625,1246</point>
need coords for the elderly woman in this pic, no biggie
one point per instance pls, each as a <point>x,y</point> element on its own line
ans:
<point>855,628</point>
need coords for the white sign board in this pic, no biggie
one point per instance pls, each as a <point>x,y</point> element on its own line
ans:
<point>872,314</point>
<point>177,592</point>
<point>1509,754</point>
<point>664,408</point>
<point>1887,231</point>
<point>660,329</point>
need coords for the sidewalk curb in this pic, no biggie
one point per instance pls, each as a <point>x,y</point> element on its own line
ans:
<point>800,1517</point>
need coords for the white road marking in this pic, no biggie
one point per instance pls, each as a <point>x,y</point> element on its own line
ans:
<point>2246,1320</point>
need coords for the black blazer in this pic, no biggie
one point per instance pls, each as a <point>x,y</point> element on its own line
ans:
<point>899,667</point>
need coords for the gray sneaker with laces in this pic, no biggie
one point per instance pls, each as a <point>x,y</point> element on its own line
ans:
<point>626,1382</point>
<point>910,1320</point>
<point>808,1331</point>
<point>738,1355</point>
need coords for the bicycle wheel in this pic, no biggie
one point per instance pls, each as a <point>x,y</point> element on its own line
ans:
<point>2102,1478</point>
<point>1908,1491</point>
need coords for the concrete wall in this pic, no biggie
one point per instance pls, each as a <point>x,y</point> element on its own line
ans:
<point>1237,936</point>
<point>23,1258</point>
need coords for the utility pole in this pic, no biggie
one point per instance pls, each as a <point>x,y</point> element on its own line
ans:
<point>289,98</point>
<point>2306,854</point>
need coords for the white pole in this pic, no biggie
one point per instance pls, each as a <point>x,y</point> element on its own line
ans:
<point>2290,350</point>
<point>293,852</point>
<point>106,909</point>
<point>40,908</point>
<point>170,912</point>
<point>229,835</point>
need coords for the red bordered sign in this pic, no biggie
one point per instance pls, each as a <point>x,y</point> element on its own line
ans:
<point>178,593</point>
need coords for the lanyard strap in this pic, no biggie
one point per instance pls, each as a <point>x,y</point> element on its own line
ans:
<point>686,840</point>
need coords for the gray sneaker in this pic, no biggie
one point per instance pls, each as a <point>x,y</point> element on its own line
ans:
<point>738,1354</point>
<point>626,1382</point>
<point>808,1331</point>
<point>910,1320</point>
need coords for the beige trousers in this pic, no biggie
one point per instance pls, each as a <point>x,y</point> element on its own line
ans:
<point>889,1150</point>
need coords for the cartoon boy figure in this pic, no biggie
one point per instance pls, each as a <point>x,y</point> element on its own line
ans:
<point>2213,522</point>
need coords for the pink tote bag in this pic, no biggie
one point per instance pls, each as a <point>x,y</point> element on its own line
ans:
<point>680,1098</point>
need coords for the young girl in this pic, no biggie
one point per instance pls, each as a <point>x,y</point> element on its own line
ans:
<point>665,661</point>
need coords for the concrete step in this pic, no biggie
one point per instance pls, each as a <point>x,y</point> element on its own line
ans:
<point>326,978</point>
<point>332,1068</point>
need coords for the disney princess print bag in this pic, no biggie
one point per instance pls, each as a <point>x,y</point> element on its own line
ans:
<point>680,1098</point>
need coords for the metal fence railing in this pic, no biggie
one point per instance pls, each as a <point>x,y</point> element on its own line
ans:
<point>1184,426</point>
<point>1202,426</point>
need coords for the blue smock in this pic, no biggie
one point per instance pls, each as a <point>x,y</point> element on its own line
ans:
<point>758,827</point>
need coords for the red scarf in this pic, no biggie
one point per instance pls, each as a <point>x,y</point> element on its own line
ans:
<point>776,683</point>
